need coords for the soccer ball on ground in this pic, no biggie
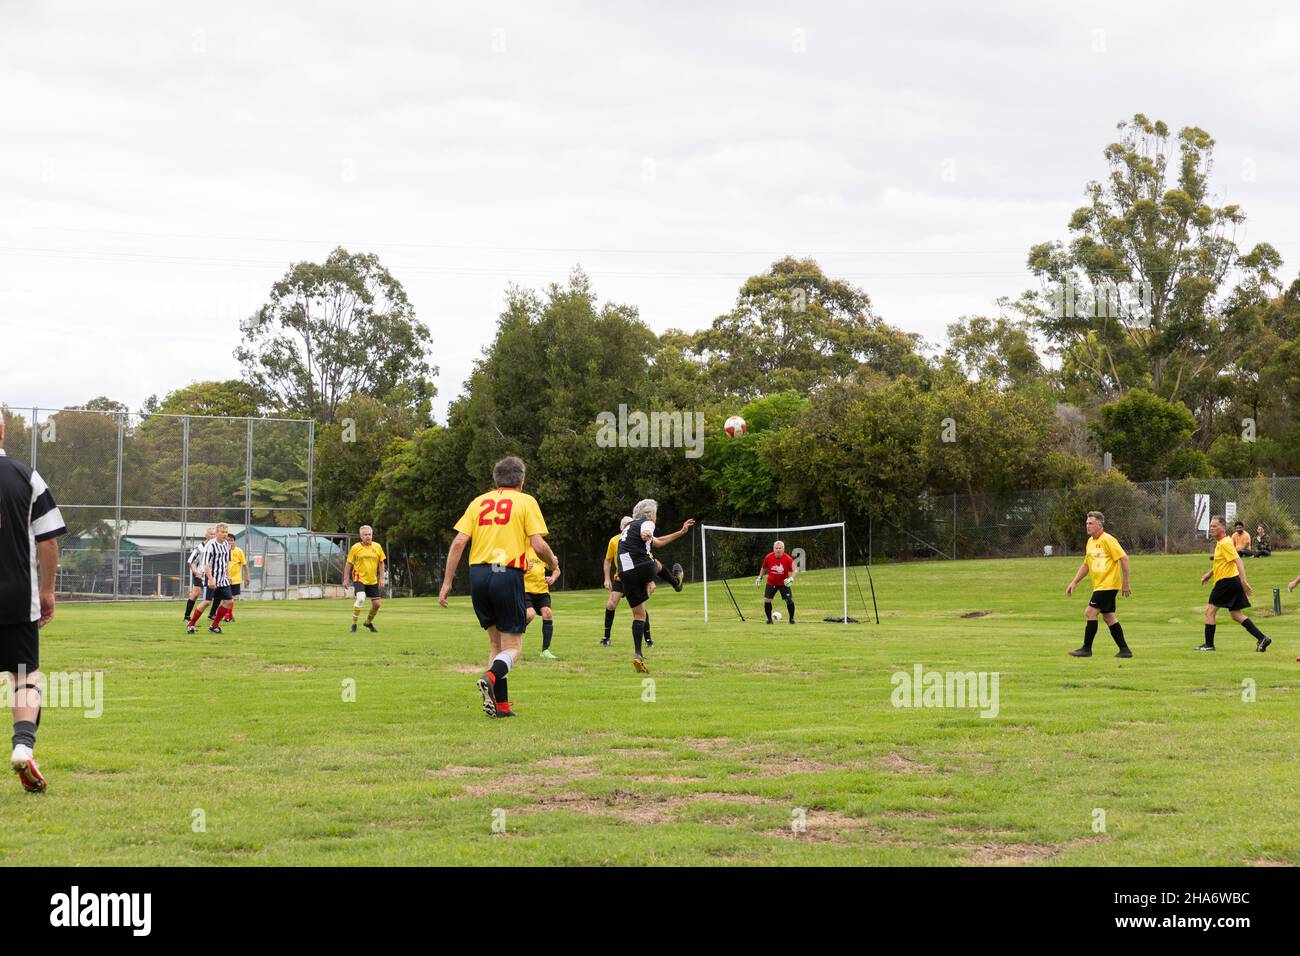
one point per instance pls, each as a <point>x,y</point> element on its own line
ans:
<point>776,615</point>
<point>735,425</point>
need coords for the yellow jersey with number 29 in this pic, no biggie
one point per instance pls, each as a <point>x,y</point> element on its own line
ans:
<point>499,524</point>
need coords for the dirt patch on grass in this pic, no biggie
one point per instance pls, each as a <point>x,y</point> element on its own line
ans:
<point>289,668</point>
<point>567,763</point>
<point>666,778</point>
<point>1008,854</point>
<point>640,752</point>
<point>466,668</point>
<point>901,763</point>
<point>492,781</point>
<point>780,765</point>
<point>830,826</point>
<point>632,807</point>
<point>970,614</point>
<point>1019,854</point>
<point>1270,863</point>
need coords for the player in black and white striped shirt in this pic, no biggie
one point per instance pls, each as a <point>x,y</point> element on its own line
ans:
<point>196,573</point>
<point>215,566</point>
<point>30,525</point>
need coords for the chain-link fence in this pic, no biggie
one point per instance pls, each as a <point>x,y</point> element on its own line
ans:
<point>1170,516</point>
<point>138,491</point>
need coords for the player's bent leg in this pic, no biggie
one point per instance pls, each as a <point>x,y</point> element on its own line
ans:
<point>1262,641</point>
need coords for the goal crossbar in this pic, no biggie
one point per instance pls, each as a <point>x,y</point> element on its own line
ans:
<point>844,554</point>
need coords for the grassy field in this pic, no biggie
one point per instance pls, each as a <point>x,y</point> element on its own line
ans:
<point>242,749</point>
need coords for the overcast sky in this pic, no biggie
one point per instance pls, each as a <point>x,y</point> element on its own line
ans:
<point>162,164</point>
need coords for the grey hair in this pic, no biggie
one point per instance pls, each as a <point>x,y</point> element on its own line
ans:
<point>1098,515</point>
<point>624,521</point>
<point>365,527</point>
<point>509,472</point>
<point>778,544</point>
<point>645,508</point>
<point>1219,518</point>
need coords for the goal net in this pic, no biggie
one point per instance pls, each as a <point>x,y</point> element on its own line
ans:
<point>824,586</point>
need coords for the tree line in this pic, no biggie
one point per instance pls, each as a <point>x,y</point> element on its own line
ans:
<point>1151,340</point>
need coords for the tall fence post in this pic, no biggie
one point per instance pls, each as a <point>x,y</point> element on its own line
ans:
<point>117,512</point>
<point>185,493</point>
<point>311,466</point>
<point>32,460</point>
<point>1272,501</point>
<point>1166,515</point>
<point>248,481</point>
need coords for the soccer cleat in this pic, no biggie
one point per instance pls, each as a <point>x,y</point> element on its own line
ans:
<point>769,620</point>
<point>547,655</point>
<point>1262,644</point>
<point>371,628</point>
<point>507,713</point>
<point>489,698</point>
<point>1205,647</point>
<point>604,642</point>
<point>638,665</point>
<point>648,641</point>
<point>354,628</point>
<point>214,629</point>
<point>678,574</point>
<point>1124,652</point>
<point>1081,652</point>
<point>29,775</point>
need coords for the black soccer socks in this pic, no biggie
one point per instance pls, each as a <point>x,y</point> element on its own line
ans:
<point>547,628</point>
<point>609,622</point>
<point>1089,632</point>
<point>1117,632</point>
<point>1209,635</point>
<point>1252,630</point>
<point>638,633</point>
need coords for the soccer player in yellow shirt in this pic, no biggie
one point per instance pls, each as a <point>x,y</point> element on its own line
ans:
<point>1230,588</point>
<point>537,591</point>
<point>498,526</point>
<point>1107,563</point>
<point>367,570</point>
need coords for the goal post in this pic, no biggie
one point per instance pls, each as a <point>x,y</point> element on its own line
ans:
<point>732,559</point>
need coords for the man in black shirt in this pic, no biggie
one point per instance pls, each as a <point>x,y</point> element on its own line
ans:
<point>637,566</point>
<point>30,525</point>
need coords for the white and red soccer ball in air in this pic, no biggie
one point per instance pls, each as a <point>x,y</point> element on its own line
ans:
<point>734,426</point>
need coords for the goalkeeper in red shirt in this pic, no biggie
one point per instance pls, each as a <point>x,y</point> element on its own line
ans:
<point>780,571</point>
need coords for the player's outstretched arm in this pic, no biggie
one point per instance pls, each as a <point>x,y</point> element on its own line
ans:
<point>670,538</point>
<point>453,559</point>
